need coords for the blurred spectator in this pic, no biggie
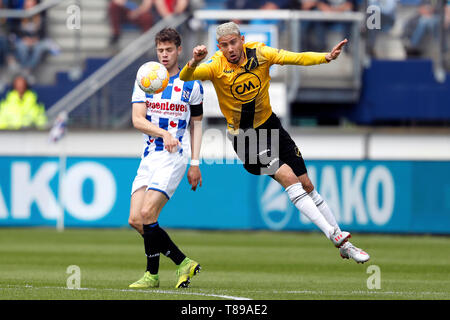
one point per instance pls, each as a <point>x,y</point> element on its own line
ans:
<point>308,40</point>
<point>3,39</point>
<point>20,108</point>
<point>387,16</point>
<point>166,8</point>
<point>426,21</point>
<point>258,4</point>
<point>447,13</point>
<point>188,30</point>
<point>30,44</point>
<point>336,5</point>
<point>344,27</point>
<point>124,11</point>
<point>3,50</point>
<point>308,5</point>
<point>447,16</point>
<point>8,29</point>
<point>447,35</point>
<point>272,5</point>
<point>13,23</point>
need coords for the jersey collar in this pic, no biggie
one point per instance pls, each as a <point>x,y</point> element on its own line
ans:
<point>175,76</point>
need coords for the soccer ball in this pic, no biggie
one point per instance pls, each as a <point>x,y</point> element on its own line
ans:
<point>152,77</point>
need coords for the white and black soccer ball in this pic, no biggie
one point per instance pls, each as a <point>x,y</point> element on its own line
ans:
<point>152,77</point>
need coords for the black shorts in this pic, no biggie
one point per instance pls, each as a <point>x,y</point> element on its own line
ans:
<point>266,148</point>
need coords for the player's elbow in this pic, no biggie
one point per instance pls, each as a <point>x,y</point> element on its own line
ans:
<point>135,125</point>
<point>137,122</point>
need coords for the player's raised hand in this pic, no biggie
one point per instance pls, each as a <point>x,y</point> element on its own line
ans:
<point>170,143</point>
<point>336,51</point>
<point>194,177</point>
<point>198,54</point>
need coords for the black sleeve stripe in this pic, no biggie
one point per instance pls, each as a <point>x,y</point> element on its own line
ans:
<point>196,110</point>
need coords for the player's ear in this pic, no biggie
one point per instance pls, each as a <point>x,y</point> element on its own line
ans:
<point>179,50</point>
<point>242,38</point>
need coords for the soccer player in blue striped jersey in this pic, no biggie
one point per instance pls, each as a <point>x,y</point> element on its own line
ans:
<point>163,119</point>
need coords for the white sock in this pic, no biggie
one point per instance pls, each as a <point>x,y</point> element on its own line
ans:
<point>324,209</point>
<point>306,205</point>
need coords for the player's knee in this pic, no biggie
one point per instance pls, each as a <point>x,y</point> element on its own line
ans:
<point>148,212</point>
<point>309,187</point>
<point>145,213</point>
<point>286,177</point>
<point>135,223</point>
<point>306,183</point>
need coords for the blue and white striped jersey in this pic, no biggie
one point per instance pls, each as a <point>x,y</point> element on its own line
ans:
<point>169,110</point>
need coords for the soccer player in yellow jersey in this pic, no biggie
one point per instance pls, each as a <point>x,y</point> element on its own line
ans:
<point>239,72</point>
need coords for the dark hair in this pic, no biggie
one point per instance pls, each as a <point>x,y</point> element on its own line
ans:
<point>168,35</point>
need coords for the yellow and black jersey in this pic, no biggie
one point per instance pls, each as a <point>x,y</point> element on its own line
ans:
<point>243,90</point>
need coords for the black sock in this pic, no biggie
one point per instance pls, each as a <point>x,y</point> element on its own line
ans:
<point>152,245</point>
<point>168,248</point>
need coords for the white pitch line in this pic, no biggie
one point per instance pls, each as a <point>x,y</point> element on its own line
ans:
<point>315,292</point>
<point>137,291</point>
<point>363,292</point>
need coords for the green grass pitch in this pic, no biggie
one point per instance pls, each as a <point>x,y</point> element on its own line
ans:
<point>235,265</point>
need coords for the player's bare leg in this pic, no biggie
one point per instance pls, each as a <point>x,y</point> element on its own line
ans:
<point>146,206</point>
<point>346,250</point>
<point>152,205</point>
<point>157,241</point>
<point>135,218</point>
<point>285,176</point>
<point>304,203</point>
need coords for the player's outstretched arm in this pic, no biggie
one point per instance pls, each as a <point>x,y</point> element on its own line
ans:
<point>285,57</point>
<point>194,175</point>
<point>334,54</point>
<point>141,123</point>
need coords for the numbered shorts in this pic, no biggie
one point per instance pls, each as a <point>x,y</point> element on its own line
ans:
<point>161,171</point>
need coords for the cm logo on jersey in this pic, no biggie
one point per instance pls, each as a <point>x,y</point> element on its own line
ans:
<point>246,87</point>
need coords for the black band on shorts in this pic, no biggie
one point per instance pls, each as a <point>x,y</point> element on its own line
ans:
<point>196,110</point>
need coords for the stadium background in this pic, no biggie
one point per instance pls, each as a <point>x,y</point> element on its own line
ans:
<point>373,130</point>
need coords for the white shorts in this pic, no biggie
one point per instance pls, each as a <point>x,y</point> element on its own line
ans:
<point>161,171</point>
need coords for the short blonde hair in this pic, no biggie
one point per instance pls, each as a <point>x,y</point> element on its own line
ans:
<point>226,29</point>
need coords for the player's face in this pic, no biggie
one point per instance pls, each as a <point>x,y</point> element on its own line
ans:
<point>168,53</point>
<point>232,47</point>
